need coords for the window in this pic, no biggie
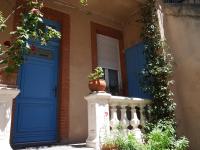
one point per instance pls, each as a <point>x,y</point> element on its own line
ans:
<point>108,59</point>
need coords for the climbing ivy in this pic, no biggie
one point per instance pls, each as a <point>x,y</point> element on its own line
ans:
<point>157,74</point>
<point>31,27</point>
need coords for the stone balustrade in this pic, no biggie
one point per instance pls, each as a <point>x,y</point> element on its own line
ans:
<point>7,94</point>
<point>106,113</point>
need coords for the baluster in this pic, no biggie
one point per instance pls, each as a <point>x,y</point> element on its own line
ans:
<point>124,120</point>
<point>113,120</point>
<point>142,117</point>
<point>148,110</point>
<point>134,118</point>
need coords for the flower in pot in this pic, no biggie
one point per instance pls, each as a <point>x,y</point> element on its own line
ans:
<point>96,83</point>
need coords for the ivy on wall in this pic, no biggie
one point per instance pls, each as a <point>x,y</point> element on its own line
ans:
<point>156,78</point>
<point>157,74</point>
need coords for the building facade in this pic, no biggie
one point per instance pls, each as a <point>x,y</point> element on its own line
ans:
<point>53,83</point>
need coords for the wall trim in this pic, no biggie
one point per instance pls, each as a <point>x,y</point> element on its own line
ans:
<point>63,82</point>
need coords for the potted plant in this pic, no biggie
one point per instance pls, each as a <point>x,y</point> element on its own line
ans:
<point>96,83</point>
<point>109,147</point>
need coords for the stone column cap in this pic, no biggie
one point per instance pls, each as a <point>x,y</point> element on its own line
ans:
<point>8,93</point>
<point>98,97</point>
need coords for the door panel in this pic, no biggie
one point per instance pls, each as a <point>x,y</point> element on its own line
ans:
<point>37,73</point>
<point>29,121</point>
<point>35,118</point>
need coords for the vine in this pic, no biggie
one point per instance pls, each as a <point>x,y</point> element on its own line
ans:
<point>157,75</point>
<point>31,27</point>
<point>159,66</point>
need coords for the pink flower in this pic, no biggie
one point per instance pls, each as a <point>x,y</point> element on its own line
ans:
<point>35,11</point>
<point>33,48</point>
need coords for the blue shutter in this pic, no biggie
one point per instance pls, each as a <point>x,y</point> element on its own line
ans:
<point>135,62</point>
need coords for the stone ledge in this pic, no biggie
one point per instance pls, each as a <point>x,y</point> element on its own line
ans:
<point>8,93</point>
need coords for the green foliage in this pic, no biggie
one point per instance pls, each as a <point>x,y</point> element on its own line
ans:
<point>156,81</point>
<point>31,27</point>
<point>83,2</point>
<point>122,141</point>
<point>159,68</point>
<point>162,137</point>
<point>2,22</point>
<point>128,143</point>
<point>96,74</point>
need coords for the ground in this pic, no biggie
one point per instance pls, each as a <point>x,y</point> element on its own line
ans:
<point>62,147</point>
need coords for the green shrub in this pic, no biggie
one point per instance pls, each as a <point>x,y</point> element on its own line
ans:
<point>162,137</point>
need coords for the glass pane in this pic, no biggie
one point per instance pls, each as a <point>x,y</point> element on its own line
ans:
<point>113,82</point>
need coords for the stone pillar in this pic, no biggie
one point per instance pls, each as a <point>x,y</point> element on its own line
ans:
<point>98,118</point>
<point>6,98</point>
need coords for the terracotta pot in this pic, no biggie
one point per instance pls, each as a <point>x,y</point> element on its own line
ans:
<point>109,147</point>
<point>97,85</point>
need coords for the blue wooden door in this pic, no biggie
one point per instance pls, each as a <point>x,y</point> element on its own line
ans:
<point>135,62</point>
<point>35,118</point>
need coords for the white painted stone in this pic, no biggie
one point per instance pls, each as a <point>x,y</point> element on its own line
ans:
<point>134,119</point>
<point>124,120</point>
<point>113,119</point>
<point>6,97</point>
<point>138,135</point>
<point>98,118</point>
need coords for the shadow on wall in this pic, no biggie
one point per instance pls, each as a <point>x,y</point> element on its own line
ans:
<point>5,116</point>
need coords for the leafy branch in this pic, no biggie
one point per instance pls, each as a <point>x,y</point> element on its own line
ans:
<point>31,27</point>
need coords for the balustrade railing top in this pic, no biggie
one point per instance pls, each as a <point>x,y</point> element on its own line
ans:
<point>120,100</point>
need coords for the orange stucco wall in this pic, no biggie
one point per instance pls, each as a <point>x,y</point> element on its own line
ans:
<point>7,7</point>
<point>132,30</point>
<point>182,31</point>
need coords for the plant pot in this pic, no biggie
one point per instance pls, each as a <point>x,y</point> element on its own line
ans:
<point>109,147</point>
<point>97,85</point>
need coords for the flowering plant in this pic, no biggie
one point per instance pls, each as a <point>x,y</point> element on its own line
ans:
<point>31,27</point>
